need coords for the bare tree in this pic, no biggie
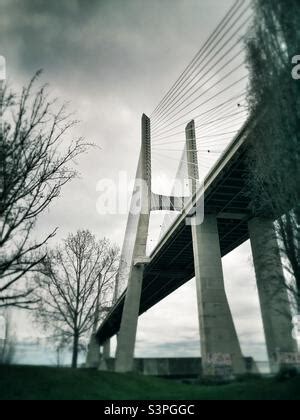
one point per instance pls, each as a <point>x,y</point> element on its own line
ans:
<point>77,282</point>
<point>274,96</point>
<point>36,158</point>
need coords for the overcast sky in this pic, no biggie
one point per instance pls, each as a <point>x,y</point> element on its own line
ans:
<point>114,60</point>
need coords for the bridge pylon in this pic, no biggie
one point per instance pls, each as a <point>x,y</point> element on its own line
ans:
<point>128,329</point>
<point>217,330</point>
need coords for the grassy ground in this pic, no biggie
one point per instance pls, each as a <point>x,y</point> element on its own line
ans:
<point>37,383</point>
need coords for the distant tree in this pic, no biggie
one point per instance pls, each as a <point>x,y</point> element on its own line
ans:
<point>77,282</point>
<point>36,158</point>
<point>274,99</point>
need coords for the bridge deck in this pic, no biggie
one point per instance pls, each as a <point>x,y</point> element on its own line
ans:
<point>172,262</point>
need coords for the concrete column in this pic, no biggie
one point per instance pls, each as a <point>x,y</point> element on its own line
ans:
<point>93,355</point>
<point>105,357</point>
<point>273,296</point>
<point>221,352</point>
<point>127,335</point>
<point>106,350</point>
<point>129,322</point>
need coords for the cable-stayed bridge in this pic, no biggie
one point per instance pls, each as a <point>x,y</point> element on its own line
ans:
<point>198,136</point>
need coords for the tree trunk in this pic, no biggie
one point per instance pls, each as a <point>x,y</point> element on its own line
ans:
<point>75,350</point>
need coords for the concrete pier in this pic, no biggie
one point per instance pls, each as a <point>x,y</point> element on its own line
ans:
<point>93,355</point>
<point>105,357</point>
<point>273,295</point>
<point>220,346</point>
<point>127,335</point>
<point>106,350</point>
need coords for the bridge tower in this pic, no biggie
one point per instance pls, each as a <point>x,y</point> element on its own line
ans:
<point>140,223</point>
<point>218,336</point>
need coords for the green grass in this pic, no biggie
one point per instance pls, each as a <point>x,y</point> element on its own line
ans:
<point>38,383</point>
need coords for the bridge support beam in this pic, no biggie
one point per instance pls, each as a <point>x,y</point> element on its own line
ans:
<point>273,296</point>
<point>221,352</point>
